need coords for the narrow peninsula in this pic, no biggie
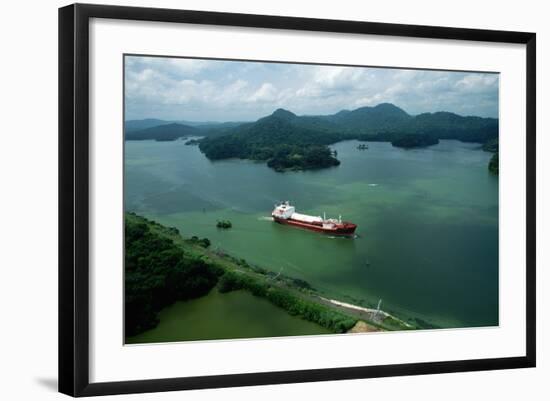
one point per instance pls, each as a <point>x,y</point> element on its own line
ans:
<point>162,267</point>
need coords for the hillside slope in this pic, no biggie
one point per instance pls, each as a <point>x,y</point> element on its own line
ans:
<point>166,132</point>
<point>287,141</point>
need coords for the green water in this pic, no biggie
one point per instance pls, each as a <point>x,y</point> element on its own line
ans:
<point>427,220</point>
<point>237,314</point>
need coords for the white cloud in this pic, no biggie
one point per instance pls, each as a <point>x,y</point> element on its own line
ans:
<point>170,66</point>
<point>477,83</point>
<point>225,90</point>
<point>369,101</point>
<point>340,77</point>
<point>265,93</point>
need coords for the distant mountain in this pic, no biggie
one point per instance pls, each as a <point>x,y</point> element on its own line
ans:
<point>387,122</point>
<point>281,127</point>
<point>197,123</point>
<point>282,114</point>
<point>208,128</point>
<point>166,132</point>
<point>284,126</point>
<point>445,125</point>
<point>284,139</point>
<point>218,129</point>
<point>134,125</point>
<point>383,117</point>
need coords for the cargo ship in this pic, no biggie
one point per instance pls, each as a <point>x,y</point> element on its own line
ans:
<point>285,213</point>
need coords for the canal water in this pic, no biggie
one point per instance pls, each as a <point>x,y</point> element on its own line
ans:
<point>427,237</point>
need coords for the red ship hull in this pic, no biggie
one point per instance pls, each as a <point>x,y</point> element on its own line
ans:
<point>343,229</point>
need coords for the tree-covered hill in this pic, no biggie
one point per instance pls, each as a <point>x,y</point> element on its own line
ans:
<point>204,128</point>
<point>444,125</point>
<point>162,267</point>
<point>287,141</point>
<point>371,120</point>
<point>493,164</point>
<point>136,125</point>
<point>166,132</point>
<point>158,273</point>
<point>492,146</point>
<point>290,142</point>
<point>440,125</point>
<point>283,139</point>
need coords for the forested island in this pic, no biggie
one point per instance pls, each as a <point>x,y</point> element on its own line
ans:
<point>493,164</point>
<point>225,224</point>
<point>277,140</point>
<point>492,146</point>
<point>286,141</point>
<point>161,268</point>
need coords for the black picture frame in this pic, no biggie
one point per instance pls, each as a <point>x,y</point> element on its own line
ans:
<point>74,198</point>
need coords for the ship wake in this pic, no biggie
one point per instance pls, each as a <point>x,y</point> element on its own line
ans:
<point>345,237</point>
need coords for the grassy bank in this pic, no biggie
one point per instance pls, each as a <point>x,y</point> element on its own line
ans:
<point>297,306</point>
<point>162,267</point>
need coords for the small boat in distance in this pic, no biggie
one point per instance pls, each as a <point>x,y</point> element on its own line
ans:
<point>285,213</point>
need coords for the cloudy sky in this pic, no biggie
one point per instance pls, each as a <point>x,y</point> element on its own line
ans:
<point>213,90</point>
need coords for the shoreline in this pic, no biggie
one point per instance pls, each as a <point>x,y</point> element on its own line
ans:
<point>375,313</point>
<point>296,297</point>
